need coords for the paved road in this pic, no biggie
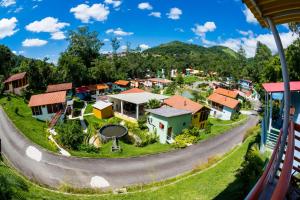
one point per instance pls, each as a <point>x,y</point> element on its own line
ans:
<point>53,170</point>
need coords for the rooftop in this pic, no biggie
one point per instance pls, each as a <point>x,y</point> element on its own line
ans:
<point>160,80</point>
<point>223,100</point>
<point>168,112</point>
<point>59,87</point>
<point>228,93</point>
<point>138,98</point>
<point>15,77</point>
<point>122,82</point>
<point>101,105</point>
<point>183,103</point>
<point>133,90</point>
<point>47,99</point>
<point>278,87</point>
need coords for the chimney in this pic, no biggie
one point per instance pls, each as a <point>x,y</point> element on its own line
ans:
<point>184,103</point>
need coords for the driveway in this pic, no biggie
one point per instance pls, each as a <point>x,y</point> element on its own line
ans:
<point>53,170</point>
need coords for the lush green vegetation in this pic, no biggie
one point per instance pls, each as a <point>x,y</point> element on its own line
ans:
<point>223,177</point>
<point>89,108</point>
<point>33,129</point>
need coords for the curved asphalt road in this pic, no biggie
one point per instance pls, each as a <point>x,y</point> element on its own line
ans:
<point>54,170</point>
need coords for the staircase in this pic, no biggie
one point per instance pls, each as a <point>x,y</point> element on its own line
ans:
<point>55,118</point>
<point>272,138</point>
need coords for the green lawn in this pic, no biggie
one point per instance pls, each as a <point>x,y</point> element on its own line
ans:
<point>218,182</point>
<point>33,129</point>
<point>89,108</point>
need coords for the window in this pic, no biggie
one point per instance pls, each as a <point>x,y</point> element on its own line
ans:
<point>217,106</point>
<point>161,125</point>
<point>36,110</point>
<point>195,116</point>
<point>54,108</point>
<point>184,124</point>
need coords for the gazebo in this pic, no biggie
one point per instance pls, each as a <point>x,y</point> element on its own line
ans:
<point>270,13</point>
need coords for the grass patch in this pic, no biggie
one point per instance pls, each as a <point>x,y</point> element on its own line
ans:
<point>213,183</point>
<point>32,128</point>
<point>89,108</point>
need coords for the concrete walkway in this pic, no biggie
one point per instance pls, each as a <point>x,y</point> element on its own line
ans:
<point>52,169</point>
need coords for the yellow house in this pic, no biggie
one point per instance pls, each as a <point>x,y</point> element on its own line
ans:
<point>102,110</point>
<point>199,112</point>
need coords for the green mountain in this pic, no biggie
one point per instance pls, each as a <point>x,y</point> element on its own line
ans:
<point>180,48</point>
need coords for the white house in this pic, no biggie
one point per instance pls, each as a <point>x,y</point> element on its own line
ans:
<point>223,107</point>
<point>132,104</point>
<point>160,82</point>
<point>45,106</point>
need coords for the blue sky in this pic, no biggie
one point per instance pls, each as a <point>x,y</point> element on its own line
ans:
<point>37,28</point>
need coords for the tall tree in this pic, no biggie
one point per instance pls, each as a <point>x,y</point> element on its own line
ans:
<point>84,44</point>
<point>115,45</point>
<point>293,60</point>
<point>6,60</point>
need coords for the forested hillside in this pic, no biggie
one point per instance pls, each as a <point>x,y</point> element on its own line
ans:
<point>82,63</point>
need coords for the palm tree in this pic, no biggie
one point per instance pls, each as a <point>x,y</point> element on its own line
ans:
<point>153,103</point>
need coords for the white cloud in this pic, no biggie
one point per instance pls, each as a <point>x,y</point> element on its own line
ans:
<point>155,14</point>
<point>118,32</point>
<point>35,6</point>
<point>190,40</point>
<point>7,27</point>
<point>58,35</point>
<point>106,40</point>
<point>7,3</point>
<point>19,9</point>
<point>85,13</point>
<point>34,42</point>
<point>145,6</point>
<point>174,13</point>
<point>200,30</point>
<point>48,25</point>
<point>179,30</point>
<point>123,47</point>
<point>144,46</point>
<point>249,43</point>
<point>246,33</point>
<point>115,3</point>
<point>249,16</point>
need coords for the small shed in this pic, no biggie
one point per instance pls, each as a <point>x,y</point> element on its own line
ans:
<point>102,110</point>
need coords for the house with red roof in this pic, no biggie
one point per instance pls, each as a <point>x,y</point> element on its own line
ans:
<point>199,112</point>
<point>45,106</point>
<point>133,90</point>
<point>16,83</point>
<point>121,85</point>
<point>223,107</point>
<point>228,93</point>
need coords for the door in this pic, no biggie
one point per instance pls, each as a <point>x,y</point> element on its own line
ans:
<point>169,134</point>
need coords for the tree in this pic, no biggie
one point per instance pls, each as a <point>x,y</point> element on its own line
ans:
<point>153,103</point>
<point>293,60</point>
<point>72,69</point>
<point>84,44</point>
<point>115,45</point>
<point>70,134</point>
<point>179,79</point>
<point>6,60</point>
<point>272,71</point>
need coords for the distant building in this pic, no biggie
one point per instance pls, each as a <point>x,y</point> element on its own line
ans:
<point>173,73</point>
<point>45,106</point>
<point>167,122</point>
<point>61,87</point>
<point>159,82</point>
<point>83,92</point>
<point>102,110</point>
<point>227,93</point>
<point>16,83</point>
<point>245,86</point>
<point>133,90</point>
<point>121,85</point>
<point>98,89</point>
<point>223,107</point>
<point>200,113</point>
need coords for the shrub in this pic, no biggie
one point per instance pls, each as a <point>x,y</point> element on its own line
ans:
<point>70,134</point>
<point>156,90</point>
<point>89,148</point>
<point>78,104</point>
<point>153,103</point>
<point>182,140</point>
<point>194,131</point>
<point>235,116</point>
<point>142,122</point>
<point>208,126</point>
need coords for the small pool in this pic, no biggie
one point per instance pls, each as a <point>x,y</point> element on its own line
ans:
<point>113,131</point>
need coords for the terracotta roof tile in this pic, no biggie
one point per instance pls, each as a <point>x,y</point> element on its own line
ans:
<point>133,90</point>
<point>228,93</point>
<point>47,98</point>
<point>223,100</point>
<point>102,86</point>
<point>183,103</point>
<point>122,82</point>
<point>59,87</point>
<point>15,77</point>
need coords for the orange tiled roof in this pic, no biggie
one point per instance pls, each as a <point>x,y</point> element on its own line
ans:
<point>160,80</point>
<point>47,98</point>
<point>183,103</point>
<point>228,93</point>
<point>102,86</point>
<point>133,90</point>
<point>15,77</point>
<point>59,87</point>
<point>223,100</point>
<point>122,82</point>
